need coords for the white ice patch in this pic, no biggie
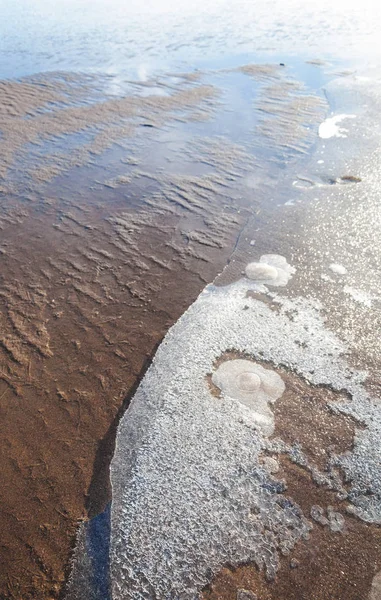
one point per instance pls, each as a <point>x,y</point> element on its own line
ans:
<point>338,269</point>
<point>272,269</point>
<point>252,385</point>
<point>330,128</point>
<point>189,491</point>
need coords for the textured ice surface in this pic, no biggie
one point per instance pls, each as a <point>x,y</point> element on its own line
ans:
<point>317,514</point>
<point>252,385</point>
<point>330,127</point>
<point>336,520</point>
<point>272,269</point>
<point>189,493</point>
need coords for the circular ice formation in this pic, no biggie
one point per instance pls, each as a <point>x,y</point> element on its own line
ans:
<point>249,382</point>
<point>260,271</point>
<point>272,269</point>
<point>252,385</point>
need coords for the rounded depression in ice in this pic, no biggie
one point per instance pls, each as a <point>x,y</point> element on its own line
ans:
<point>272,269</point>
<point>252,385</point>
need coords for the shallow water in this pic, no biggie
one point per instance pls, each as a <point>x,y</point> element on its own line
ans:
<point>123,39</point>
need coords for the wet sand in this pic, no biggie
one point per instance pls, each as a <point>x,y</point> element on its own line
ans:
<point>85,302</point>
<point>89,285</point>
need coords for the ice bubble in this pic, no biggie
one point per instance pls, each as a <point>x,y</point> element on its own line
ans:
<point>272,269</point>
<point>252,385</point>
<point>271,464</point>
<point>260,271</point>
<point>249,382</point>
<point>339,269</point>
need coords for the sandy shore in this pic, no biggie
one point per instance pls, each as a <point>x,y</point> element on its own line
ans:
<point>99,259</point>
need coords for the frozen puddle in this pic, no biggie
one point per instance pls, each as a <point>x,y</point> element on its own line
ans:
<point>191,492</point>
<point>330,127</point>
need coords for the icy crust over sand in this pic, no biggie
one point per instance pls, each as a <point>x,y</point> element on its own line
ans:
<point>330,127</point>
<point>189,492</point>
<point>272,269</point>
<point>253,386</point>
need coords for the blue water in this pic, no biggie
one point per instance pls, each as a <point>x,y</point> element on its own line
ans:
<point>133,39</point>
